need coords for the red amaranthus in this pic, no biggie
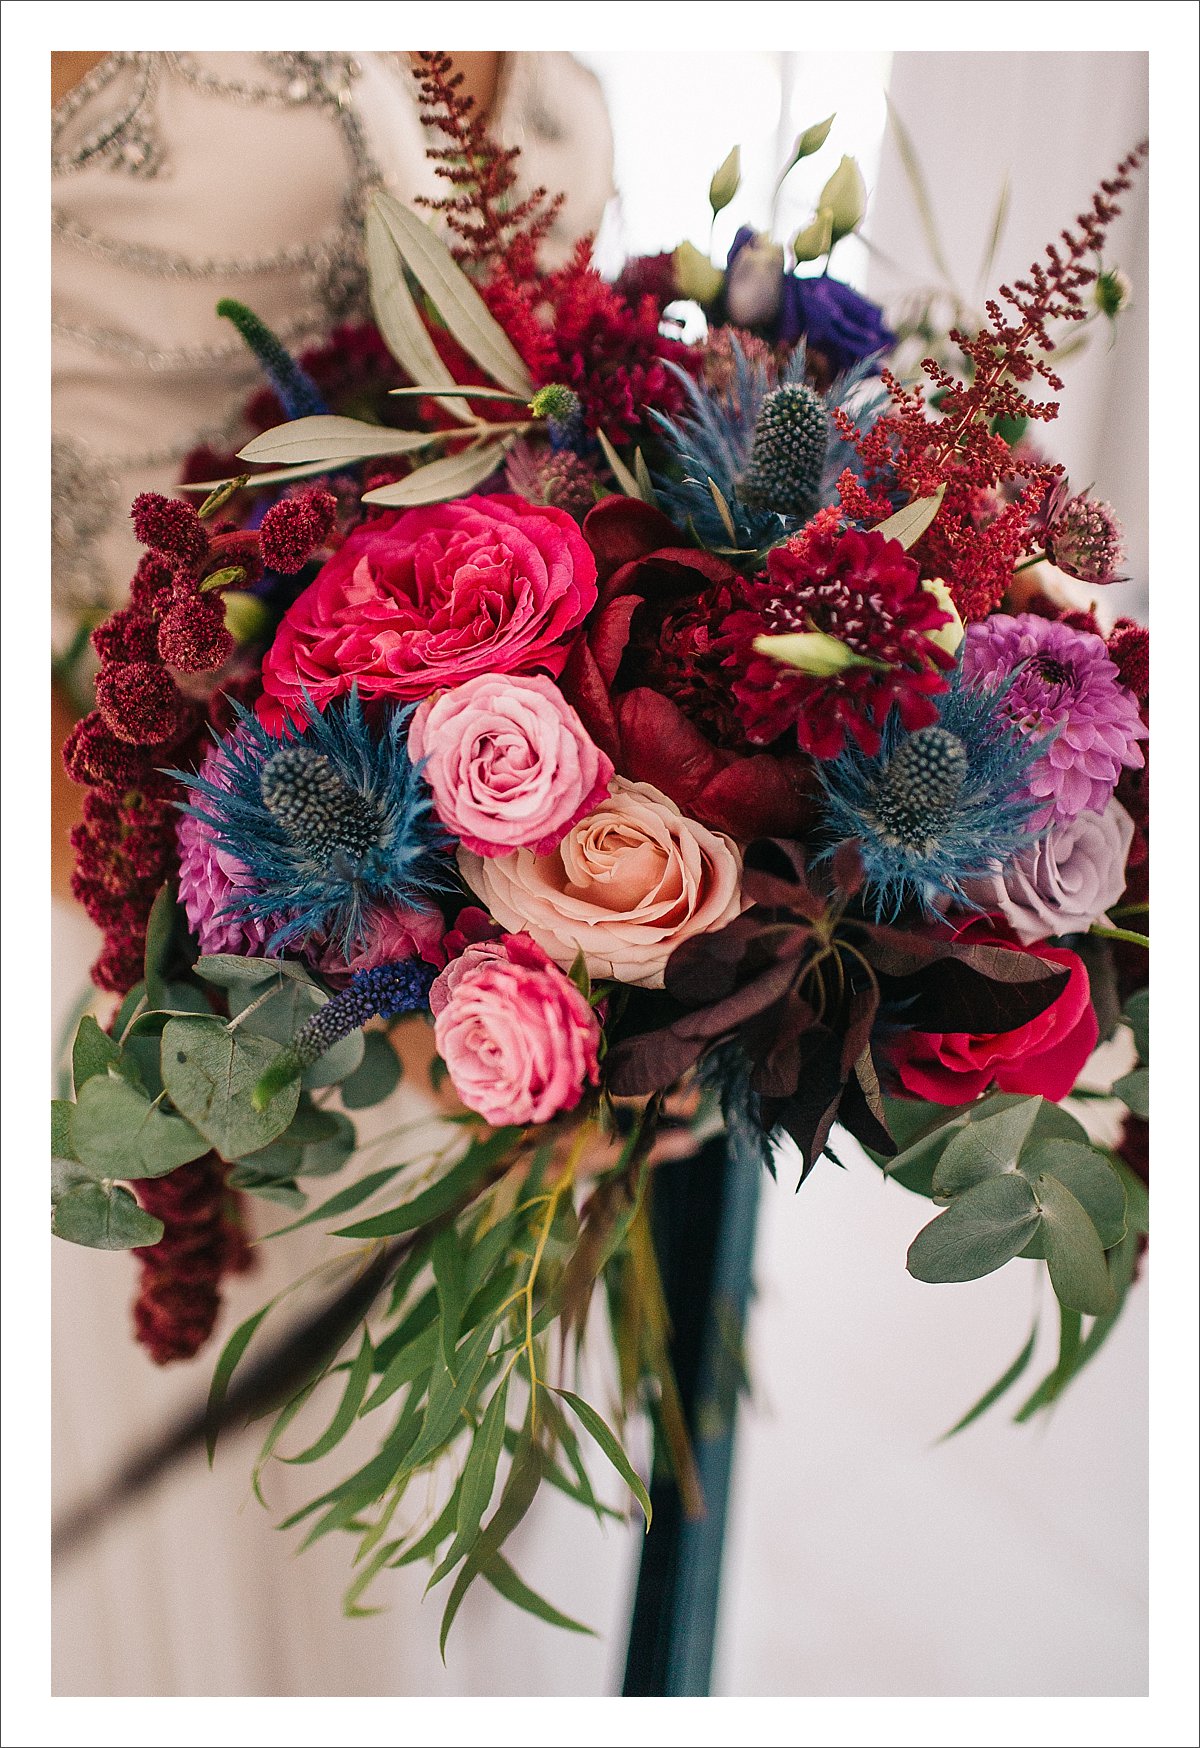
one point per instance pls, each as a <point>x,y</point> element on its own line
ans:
<point>977,538</point>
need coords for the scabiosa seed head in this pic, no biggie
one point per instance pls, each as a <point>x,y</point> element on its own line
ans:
<point>292,529</point>
<point>192,635</point>
<point>791,436</point>
<point>128,635</point>
<point>170,526</point>
<point>139,702</point>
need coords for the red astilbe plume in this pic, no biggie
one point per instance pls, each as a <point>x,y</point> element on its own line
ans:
<point>911,453</point>
<point>491,226</point>
<point>179,1296</point>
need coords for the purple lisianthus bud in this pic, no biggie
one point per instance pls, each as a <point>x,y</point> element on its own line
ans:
<point>833,319</point>
<point>1066,881</point>
<point>754,281</point>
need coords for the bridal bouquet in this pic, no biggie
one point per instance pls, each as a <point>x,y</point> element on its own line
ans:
<point>633,741</point>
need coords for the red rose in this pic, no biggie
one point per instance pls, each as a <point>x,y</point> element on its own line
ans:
<point>648,685</point>
<point>420,599</point>
<point>1044,1056</point>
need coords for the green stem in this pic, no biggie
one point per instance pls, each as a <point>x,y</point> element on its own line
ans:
<point>1130,910</point>
<point>1028,563</point>
<point>1130,935</point>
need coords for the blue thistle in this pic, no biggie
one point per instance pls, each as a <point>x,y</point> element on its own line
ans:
<point>791,435</point>
<point>401,986</point>
<point>713,441</point>
<point>329,822</point>
<point>298,394</point>
<point>934,809</point>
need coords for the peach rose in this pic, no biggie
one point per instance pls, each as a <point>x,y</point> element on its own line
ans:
<point>625,886</point>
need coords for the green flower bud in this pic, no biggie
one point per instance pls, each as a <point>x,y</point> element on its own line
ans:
<point>815,239</point>
<point>695,275</point>
<point>812,139</point>
<point>845,195</point>
<point>813,652</point>
<point>725,182</point>
<point>1113,292</point>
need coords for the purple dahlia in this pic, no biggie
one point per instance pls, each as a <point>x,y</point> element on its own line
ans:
<point>1061,683</point>
<point>210,880</point>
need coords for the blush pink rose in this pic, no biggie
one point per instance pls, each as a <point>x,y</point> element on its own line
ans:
<point>509,762</point>
<point>1044,1056</point>
<point>420,599</point>
<point>519,1040</point>
<point>624,887</point>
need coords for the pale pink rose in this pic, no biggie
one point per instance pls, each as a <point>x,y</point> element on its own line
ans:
<point>625,886</point>
<point>519,1040</point>
<point>509,762</point>
<point>1064,882</point>
<point>397,932</point>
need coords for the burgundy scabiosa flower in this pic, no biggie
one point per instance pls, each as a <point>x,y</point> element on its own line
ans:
<point>865,592</point>
<point>1060,683</point>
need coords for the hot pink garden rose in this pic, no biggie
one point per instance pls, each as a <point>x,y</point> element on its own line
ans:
<point>509,762</point>
<point>624,887</point>
<point>420,599</point>
<point>519,1040</point>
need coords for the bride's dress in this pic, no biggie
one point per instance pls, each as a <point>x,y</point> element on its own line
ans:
<point>179,179</point>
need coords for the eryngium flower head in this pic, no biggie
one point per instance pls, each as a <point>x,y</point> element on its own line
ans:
<point>788,456</point>
<point>936,808</point>
<point>1065,693</point>
<point>327,822</point>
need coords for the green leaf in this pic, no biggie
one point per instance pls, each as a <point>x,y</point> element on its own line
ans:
<point>449,1393</point>
<point>580,975</point>
<point>1137,1018</point>
<point>345,1199</point>
<point>350,1602</point>
<point>1075,1354</point>
<point>93,1052</point>
<point>406,335</point>
<point>434,1536</point>
<point>627,481</point>
<point>916,181</point>
<point>1074,1253</point>
<point>1134,1090</point>
<point>997,231</point>
<point>117,1132</point>
<point>1090,1179</point>
<point>449,1272</point>
<point>725,182</point>
<point>478,1481</point>
<point>281,1015</point>
<point>279,1426</point>
<point>984,1149</point>
<point>501,1577</point>
<point>377,1075</point>
<point>331,439</point>
<point>405,1366</point>
<point>227,970</point>
<point>611,1446</point>
<point>62,1145</point>
<point>909,523</point>
<point>323,1157</point>
<point>998,1388</point>
<point>441,1196</point>
<point>210,1073</point>
<point>455,298</point>
<point>449,478</point>
<point>1137,1197</point>
<point>519,1492</point>
<point>347,1410</point>
<point>103,1217</point>
<point>270,1188</point>
<point>159,929</point>
<point>1069,1327</point>
<point>226,1365</point>
<point>982,1230</point>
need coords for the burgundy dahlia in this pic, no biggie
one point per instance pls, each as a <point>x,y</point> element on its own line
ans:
<point>1062,685</point>
<point>865,591</point>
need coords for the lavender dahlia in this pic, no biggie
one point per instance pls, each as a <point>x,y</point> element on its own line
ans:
<point>1064,690</point>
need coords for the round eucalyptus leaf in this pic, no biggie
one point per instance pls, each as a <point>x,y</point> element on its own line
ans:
<point>1074,1253</point>
<point>337,1064</point>
<point>376,1077</point>
<point>985,1148</point>
<point>982,1229</point>
<point>104,1218</point>
<point>210,1073</point>
<point>321,1158</point>
<point>117,1132</point>
<point>1090,1179</point>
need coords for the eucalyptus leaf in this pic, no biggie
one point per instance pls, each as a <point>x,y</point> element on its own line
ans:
<point>478,1482</point>
<point>322,1158</point>
<point>227,970</point>
<point>1137,1018</point>
<point>443,1195</point>
<point>501,1576</point>
<point>984,1148</point>
<point>92,1053</point>
<point>1090,1179</point>
<point>210,1073</point>
<point>284,1190</point>
<point>998,1389</point>
<point>455,298</point>
<point>377,1075</point>
<point>104,1217</point>
<point>438,481</point>
<point>1134,1090</point>
<point>611,1446</point>
<point>327,437</point>
<point>118,1133</point>
<point>357,1379</point>
<point>345,1200</point>
<point>909,523</point>
<point>981,1230</point>
<point>1074,1253</point>
<point>449,1277</point>
<point>160,928</point>
<point>62,1144</point>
